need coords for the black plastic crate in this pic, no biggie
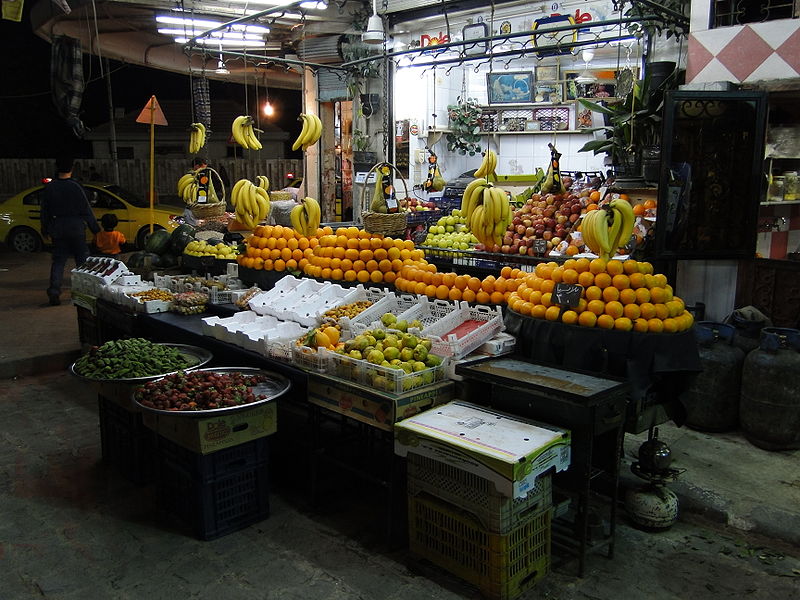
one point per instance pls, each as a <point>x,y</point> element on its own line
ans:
<point>235,497</point>
<point>125,442</point>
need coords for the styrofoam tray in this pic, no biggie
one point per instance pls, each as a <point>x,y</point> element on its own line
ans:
<point>444,343</point>
<point>283,286</point>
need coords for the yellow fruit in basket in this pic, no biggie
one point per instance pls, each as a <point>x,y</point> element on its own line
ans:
<point>332,334</point>
<point>320,339</point>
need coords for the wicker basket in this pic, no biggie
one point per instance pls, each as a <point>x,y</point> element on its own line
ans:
<point>205,211</point>
<point>389,224</point>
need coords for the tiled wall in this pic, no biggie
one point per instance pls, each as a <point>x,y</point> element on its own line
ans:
<point>778,230</point>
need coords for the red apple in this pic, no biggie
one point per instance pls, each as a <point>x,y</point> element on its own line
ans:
<point>505,249</point>
<point>547,235</point>
<point>521,229</point>
<point>574,217</point>
<point>523,250</point>
<point>530,232</point>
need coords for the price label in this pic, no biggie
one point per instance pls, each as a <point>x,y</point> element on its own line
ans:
<point>539,246</point>
<point>567,294</point>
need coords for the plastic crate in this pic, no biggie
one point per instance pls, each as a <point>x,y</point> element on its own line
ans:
<point>475,494</point>
<point>384,379</point>
<point>445,343</point>
<point>125,442</point>
<point>213,494</point>
<point>370,317</point>
<point>429,312</point>
<point>501,566</point>
<point>312,360</point>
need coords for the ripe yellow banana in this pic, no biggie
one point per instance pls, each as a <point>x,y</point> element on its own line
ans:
<point>237,130</point>
<point>250,135</point>
<point>236,192</point>
<point>488,165</point>
<point>614,230</point>
<point>316,132</point>
<point>197,137</point>
<point>467,199</point>
<point>313,214</point>
<point>628,220</point>
<point>183,182</point>
<point>587,232</point>
<point>601,233</point>
<point>488,206</point>
<point>263,182</point>
<point>295,217</point>
<point>264,205</point>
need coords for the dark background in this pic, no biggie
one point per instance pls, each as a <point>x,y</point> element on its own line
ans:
<point>33,128</point>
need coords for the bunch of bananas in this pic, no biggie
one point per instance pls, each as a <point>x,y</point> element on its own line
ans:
<point>197,137</point>
<point>250,201</point>
<point>310,133</point>
<point>305,217</point>
<point>488,165</point>
<point>244,134</point>
<point>187,188</point>
<point>604,230</point>
<point>487,210</point>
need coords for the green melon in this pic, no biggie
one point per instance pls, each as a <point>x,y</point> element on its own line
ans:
<point>157,242</point>
<point>180,237</point>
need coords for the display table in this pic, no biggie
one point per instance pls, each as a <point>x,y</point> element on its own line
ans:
<point>658,367</point>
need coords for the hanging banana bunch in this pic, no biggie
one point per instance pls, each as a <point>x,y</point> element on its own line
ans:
<point>488,166</point>
<point>608,228</point>
<point>244,134</point>
<point>310,133</point>
<point>197,137</point>
<point>250,202</point>
<point>305,217</point>
<point>487,210</point>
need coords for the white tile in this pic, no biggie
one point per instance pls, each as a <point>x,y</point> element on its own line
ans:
<point>775,32</point>
<point>715,40</point>
<point>774,67</point>
<point>763,243</point>
<point>794,240</point>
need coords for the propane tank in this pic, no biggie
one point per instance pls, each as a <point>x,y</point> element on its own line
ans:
<point>652,506</point>
<point>712,399</point>
<point>770,400</point>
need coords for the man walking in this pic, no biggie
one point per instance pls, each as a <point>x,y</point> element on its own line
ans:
<point>65,213</point>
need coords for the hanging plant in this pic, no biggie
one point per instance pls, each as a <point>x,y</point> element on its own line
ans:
<point>465,126</point>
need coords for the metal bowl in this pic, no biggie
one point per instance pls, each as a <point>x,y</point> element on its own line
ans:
<point>273,389</point>
<point>200,356</point>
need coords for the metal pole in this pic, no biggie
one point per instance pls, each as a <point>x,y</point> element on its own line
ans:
<point>152,157</point>
<point>112,125</point>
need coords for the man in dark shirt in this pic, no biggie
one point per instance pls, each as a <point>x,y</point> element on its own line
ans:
<point>65,213</point>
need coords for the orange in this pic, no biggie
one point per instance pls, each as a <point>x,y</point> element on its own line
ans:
<point>302,264</point>
<point>605,322</point>
<point>341,241</point>
<point>442,292</point>
<point>593,292</point>
<point>397,264</point>
<point>350,275</point>
<point>660,280</point>
<point>384,266</point>
<point>535,297</point>
<point>365,255</point>
<point>610,294</point>
<point>392,252</point>
<point>581,306</point>
<point>623,324</point>
<point>517,273</point>
<point>587,319</point>
<point>339,252</point>
<point>552,313</point>
<point>679,301</point>
<point>662,312</point>
<point>668,291</point>
<point>280,243</point>
<point>279,265</point>
<point>408,244</point>
<point>598,307</point>
<point>376,243</point>
<point>670,325</point>
<point>474,284</point>
<point>297,254</point>
<point>637,280</point>
<point>268,266</point>
<point>277,231</point>
<point>658,294</point>
<point>650,203</point>
<point>483,297</point>
<point>543,270</point>
<point>286,254</point>
<point>505,272</point>
<point>640,325</point>
<point>327,230</point>
<point>500,284</point>
<point>570,317</point>
<point>571,276</point>
<point>376,276</point>
<point>415,254</point>
<point>602,280</point>
<point>302,243</point>
<point>364,244</point>
<point>642,295</point>
<point>399,244</point>
<point>535,283</point>
<point>468,295</point>
<point>526,308</point>
<point>674,308</point>
<point>352,243</point>
<point>585,278</point>
<point>557,274</point>
<point>487,285</point>
<point>359,265</point>
<point>648,310</point>
<point>497,297</point>
<point>620,281</point>
<point>594,196</point>
<point>449,279</point>
<point>313,242</point>
<point>454,294</point>
<point>419,288</point>
<point>326,273</point>
<point>513,284</point>
<point>363,276</point>
<point>336,274</point>
<point>274,253</point>
<point>546,299</point>
<point>292,265</point>
<point>614,309</point>
<point>538,311</point>
<point>430,290</point>
<point>582,264</point>
<point>258,263</point>
<point>571,250</point>
<point>597,265</point>
<point>614,267</point>
<point>389,276</point>
<point>346,264</point>
<point>547,285</point>
<point>436,279</point>
<point>646,268</point>
<point>627,296</point>
<point>632,311</point>
<point>271,243</point>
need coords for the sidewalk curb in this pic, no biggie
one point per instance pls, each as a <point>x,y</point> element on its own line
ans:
<point>38,365</point>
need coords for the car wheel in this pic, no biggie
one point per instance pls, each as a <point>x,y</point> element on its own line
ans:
<point>24,239</point>
<point>141,237</point>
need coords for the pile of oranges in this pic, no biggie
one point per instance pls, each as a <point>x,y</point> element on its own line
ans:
<point>623,295</point>
<point>423,279</point>
<point>350,254</point>
<point>278,248</point>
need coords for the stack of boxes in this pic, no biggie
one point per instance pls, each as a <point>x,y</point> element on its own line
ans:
<point>480,494</point>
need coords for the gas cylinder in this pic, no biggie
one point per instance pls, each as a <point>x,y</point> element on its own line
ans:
<point>770,401</point>
<point>712,399</point>
<point>652,507</point>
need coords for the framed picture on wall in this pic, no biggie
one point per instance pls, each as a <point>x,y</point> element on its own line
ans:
<point>510,88</point>
<point>549,92</point>
<point>549,73</point>
<point>584,118</point>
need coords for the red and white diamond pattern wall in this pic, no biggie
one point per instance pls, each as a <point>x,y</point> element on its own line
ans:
<point>745,53</point>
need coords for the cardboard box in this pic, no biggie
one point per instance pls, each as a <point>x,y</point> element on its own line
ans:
<point>208,434</point>
<point>379,410</point>
<point>508,450</point>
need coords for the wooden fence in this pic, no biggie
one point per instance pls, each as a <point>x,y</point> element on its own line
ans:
<point>18,174</point>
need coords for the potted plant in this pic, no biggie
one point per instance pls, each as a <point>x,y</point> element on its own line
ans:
<point>465,126</point>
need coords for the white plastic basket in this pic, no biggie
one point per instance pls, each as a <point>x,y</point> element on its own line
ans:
<point>311,309</point>
<point>388,379</point>
<point>370,318</point>
<point>446,342</point>
<point>310,359</point>
<point>428,311</point>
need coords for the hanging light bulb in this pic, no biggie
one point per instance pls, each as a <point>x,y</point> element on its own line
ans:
<point>269,110</point>
<point>374,33</point>
<point>221,68</point>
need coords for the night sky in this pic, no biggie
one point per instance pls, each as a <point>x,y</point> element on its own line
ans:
<point>35,130</point>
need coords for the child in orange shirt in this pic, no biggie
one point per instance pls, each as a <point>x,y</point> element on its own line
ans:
<point>109,240</point>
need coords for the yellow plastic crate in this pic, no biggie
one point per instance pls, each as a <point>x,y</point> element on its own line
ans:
<point>501,566</point>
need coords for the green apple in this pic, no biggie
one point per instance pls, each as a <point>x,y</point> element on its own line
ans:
<point>408,367</point>
<point>411,341</point>
<point>391,341</point>
<point>433,361</point>
<point>406,354</point>
<point>371,340</point>
<point>355,354</point>
<point>401,325</point>
<point>426,342</point>
<point>391,353</point>
<point>378,334</point>
<point>420,366</point>
<point>420,352</point>
<point>375,357</point>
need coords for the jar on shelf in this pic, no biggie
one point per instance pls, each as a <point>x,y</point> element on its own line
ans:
<point>776,189</point>
<point>791,186</point>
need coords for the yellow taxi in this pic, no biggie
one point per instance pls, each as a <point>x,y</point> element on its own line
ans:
<point>21,231</point>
